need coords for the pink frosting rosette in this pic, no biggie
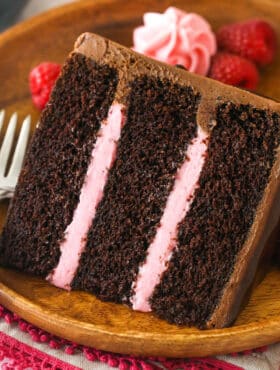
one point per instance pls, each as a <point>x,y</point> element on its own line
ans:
<point>176,37</point>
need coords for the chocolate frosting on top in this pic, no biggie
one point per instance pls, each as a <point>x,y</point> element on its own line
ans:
<point>131,64</point>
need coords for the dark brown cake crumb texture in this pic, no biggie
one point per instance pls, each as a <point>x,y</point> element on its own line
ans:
<point>160,124</point>
<point>240,157</point>
<point>56,164</point>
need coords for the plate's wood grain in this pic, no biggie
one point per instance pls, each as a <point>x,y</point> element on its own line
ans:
<point>79,316</point>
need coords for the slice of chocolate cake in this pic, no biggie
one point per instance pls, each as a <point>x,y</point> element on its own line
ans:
<point>147,185</point>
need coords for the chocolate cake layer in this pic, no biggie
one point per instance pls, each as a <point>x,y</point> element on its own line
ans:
<point>56,164</point>
<point>159,126</point>
<point>241,153</point>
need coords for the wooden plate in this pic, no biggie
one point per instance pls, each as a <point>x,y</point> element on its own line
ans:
<point>78,316</point>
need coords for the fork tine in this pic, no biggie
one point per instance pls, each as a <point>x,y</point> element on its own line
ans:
<point>7,143</point>
<point>20,148</point>
<point>2,116</point>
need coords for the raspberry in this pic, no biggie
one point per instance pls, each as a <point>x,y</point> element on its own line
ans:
<point>234,70</point>
<point>41,82</point>
<point>253,39</point>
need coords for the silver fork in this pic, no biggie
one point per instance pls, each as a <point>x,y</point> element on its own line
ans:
<point>8,181</point>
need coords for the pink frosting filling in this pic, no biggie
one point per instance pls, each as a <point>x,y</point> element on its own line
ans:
<point>177,37</point>
<point>178,204</point>
<point>102,158</point>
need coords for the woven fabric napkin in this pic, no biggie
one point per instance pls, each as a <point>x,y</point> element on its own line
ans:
<point>24,346</point>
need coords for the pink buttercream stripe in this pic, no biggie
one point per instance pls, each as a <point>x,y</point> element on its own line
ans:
<point>103,156</point>
<point>178,204</point>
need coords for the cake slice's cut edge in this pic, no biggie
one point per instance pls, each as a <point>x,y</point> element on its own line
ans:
<point>213,93</point>
<point>132,66</point>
